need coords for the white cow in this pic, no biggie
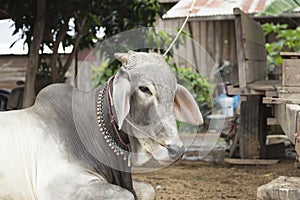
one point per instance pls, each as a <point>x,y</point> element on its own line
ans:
<point>76,145</point>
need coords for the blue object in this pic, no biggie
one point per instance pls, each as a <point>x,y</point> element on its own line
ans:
<point>236,100</point>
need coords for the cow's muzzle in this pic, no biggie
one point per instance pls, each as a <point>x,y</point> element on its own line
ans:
<point>175,152</point>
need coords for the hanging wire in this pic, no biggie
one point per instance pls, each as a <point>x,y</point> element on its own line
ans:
<point>180,30</point>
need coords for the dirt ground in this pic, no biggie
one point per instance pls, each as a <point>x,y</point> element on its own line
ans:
<point>190,180</point>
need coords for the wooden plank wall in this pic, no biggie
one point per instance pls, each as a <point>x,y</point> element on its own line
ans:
<point>252,56</point>
<point>12,69</point>
<point>216,41</point>
<point>216,37</point>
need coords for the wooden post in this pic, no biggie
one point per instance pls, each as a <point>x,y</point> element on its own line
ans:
<point>240,48</point>
<point>252,128</point>
<point>297,140</point>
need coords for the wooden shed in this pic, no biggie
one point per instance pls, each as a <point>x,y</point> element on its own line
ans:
<point>211,24</point>
<point>233,34</point>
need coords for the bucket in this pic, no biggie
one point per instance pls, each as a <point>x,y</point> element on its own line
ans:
<point>226,104</point>
<point>216,122</point>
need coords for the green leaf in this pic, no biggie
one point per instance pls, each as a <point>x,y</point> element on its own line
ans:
<point>286,40</point>
<point>279,6</point>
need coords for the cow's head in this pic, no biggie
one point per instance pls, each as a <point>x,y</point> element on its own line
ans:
<point>147,101</point>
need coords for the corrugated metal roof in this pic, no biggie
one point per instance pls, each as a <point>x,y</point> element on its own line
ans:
<point>207,8</point>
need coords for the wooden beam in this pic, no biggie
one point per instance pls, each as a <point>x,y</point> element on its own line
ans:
<point>266,85</point>
<point>252,128</point>
<point>236,161</point>
<point>232,90</point>
<point>271,94</point>
<point>290,72</point>
<point>289,96</point>
<point>240,50</point>
<point>274,100</point>
<point>286,114</point>
<point>272,121</point>
<point>297,140</point>
<point>289,92</point>
<point>289,54</point>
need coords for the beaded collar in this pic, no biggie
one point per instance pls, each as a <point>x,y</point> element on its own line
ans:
<point>112,144</point>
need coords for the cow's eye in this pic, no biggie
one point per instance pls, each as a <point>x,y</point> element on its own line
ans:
<point>145,89</point>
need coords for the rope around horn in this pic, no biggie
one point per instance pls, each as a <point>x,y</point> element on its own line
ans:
<point>180,30</point>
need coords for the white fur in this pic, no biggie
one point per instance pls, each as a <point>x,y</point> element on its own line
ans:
<point>31,160</point>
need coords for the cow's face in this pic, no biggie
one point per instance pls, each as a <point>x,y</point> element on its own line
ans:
<point>147,100</point>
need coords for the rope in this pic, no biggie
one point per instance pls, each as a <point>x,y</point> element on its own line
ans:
<point>112,119</point>
<point>180,30</point>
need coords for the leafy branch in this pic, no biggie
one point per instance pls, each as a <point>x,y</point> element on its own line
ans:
<point>286,40</point>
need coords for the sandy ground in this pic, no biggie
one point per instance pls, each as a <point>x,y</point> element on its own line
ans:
<point>209,180</point>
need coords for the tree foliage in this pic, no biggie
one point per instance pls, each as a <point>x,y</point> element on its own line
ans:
<point>114,15</point>
<point>159,41</point>
<point>150,39</point>
<point>286,40</point>
<point>75,23</point>
<point>279,6</point>
<point>88,17</point>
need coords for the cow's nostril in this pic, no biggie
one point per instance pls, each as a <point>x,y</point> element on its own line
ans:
<point>175,152</point>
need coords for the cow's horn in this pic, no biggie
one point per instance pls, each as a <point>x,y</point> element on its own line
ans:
<point>124,57</point>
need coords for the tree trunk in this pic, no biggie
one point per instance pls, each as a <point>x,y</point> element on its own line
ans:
<point>80,27</point>
<point>55,76</point>
<point>33,60</point>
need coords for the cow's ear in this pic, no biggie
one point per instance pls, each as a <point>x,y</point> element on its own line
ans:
<point>186,108</point>
<point>121,95</point>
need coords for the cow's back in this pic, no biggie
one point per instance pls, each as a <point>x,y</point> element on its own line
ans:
<point>42,155</point>
<point>30,152</point>
<point>19,147</point>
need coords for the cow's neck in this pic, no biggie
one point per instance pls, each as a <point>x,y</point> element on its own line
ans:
<point>73,123</point>
<point>116,139</point>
